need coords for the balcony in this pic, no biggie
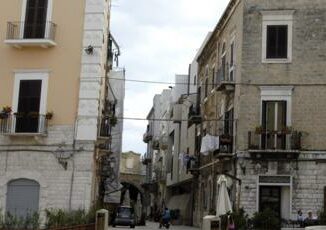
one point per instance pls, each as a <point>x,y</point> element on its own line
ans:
<point>156,145</point>
<point>104,130</point>
<point>194,115</point>
<point>21,34</point>
<point>224,80</point>
<point>146,159</point>
<point>177,113</point>
<point>32,124</point>
<point>148,136</point>
<point>274,144</point>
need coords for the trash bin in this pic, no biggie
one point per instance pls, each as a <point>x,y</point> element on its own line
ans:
<point>102,220</point>
<point>207,222</point>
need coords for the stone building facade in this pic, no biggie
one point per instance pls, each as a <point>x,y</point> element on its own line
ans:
<point>53,89</point>
<point>259,76</point>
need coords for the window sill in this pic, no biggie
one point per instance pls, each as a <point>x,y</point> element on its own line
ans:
<point>277,61</point>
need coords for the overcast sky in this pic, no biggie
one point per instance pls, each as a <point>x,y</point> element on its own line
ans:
<point>158,39</point>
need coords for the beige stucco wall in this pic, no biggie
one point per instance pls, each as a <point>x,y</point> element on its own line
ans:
<point>63,60</point>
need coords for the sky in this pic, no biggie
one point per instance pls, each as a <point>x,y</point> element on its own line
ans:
<point>158,39</point>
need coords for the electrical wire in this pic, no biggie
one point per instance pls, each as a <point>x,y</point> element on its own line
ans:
<point>215,84</point>
<point>162,119</point>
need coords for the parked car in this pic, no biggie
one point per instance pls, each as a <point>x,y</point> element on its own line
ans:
<point>124,217</point>
<point>316,228</point>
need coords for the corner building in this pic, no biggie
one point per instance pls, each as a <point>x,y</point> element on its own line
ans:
<point>262,80</point>
<point>52,81</point>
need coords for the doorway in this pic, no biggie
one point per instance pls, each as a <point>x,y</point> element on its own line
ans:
<point>270,198</point>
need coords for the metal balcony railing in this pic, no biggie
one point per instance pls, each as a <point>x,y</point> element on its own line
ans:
<point>147,158</point>
<point>30,123</point>
<point>23,30</point>
<point>274,140</point>
<point>148,136</point>
<point>104,130</point>
<point>225,79</point>
<point>194,114</point>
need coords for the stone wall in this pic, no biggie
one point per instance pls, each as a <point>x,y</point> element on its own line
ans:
<point>308,182</point>
<point>61,186</point>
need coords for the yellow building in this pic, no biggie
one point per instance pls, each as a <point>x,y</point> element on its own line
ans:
<point>52,87</point>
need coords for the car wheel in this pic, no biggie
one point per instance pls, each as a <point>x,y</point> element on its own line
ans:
<point>113,225</point>
<point>132,226</point>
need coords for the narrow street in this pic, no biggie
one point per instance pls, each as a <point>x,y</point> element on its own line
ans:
<point>152,225</point>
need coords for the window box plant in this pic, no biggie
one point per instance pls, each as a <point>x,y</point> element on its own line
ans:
<point>49,115</point>
<point>6,110</point>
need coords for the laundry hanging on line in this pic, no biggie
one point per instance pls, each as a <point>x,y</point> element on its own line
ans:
<point>209,143</point>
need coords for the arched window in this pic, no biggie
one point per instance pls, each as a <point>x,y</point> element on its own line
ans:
<point>22,197</point>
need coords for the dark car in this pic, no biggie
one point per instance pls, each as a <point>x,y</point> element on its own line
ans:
<point>124,217</point>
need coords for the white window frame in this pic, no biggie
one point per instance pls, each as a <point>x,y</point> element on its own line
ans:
<point>274,17</point>
<point>48,18</point>
<point>31,75</point>
<point>277,93</point>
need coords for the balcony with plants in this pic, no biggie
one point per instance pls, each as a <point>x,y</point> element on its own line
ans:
<point>31,34</point>
<point>23,123</point>
<point>284,142</point>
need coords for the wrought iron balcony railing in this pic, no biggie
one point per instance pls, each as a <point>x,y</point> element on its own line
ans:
<point>23,30</point>
<point>104,130</point>
<point>23,124</point>
<point>224,79</point>
<point>27,34</point>
<point>274,140</point>
<point>148,136</point>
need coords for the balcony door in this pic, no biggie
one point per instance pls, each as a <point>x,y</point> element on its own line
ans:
<point>273,122</point>
<point>27,118</point>
<point>35,19</point>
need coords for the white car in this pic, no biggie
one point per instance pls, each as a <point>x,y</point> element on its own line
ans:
<point>316,228</point>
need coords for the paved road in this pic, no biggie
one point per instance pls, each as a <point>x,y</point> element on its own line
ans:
<point>151,225</point>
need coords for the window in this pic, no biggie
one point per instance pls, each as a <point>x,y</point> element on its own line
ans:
<point>277,36</point>
<point>29,104</point>
<point>273,119</point>
<point>206,87</point>
<point>228,123</point>
<point>35,17</point>
<point>213,78</point>
<point>232,62</point>
<point>277,39</point>
<point>223,62</point>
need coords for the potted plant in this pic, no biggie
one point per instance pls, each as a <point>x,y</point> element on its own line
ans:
<point>6,110</point>
<point>49,115</point>
<point>113,120</point>
<point>287,130</point>
<point>259,130</point>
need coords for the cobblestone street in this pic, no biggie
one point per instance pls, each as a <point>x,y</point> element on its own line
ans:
<point>152,225</point>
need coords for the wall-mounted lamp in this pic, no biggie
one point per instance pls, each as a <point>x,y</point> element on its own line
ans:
<point>89,50</point>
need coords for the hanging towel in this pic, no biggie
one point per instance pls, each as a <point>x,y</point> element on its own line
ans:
<point>209,143</point>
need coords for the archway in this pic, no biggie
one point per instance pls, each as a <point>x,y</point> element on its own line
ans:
<point>22,197</point>
<point>137,200</point>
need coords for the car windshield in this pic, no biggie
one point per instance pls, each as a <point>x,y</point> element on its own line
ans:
<point>124,212</point>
